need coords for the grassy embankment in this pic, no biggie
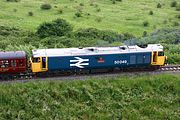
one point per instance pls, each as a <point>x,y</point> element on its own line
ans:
<point>126,16</point>
<point>135,98</point>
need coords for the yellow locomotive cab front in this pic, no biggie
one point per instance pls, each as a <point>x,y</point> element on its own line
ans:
<point>158,58</point>
<point>39,64</point>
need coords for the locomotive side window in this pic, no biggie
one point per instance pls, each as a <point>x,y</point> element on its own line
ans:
<point>36,60</point>
<point>160,53</point>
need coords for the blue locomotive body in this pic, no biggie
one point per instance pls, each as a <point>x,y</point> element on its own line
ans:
<point>44,60</point>
<point>99,61</point>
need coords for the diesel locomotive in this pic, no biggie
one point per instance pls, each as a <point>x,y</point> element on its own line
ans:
<point>45,61</point>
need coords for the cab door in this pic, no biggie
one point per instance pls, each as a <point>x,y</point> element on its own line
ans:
<point>39,64</point>
<point>158,58</point>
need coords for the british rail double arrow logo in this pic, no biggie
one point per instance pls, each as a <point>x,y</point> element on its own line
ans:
<point>79,62</point>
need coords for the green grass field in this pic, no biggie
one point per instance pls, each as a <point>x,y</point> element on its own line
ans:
<point>125,16</point>
<point>137,97</point>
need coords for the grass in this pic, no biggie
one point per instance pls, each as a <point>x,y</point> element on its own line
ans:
<point>126,16</point>
<point>137,97</point>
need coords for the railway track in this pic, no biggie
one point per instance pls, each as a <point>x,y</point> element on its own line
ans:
<point>172,69</point>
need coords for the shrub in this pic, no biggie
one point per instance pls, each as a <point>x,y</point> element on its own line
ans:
<point>13,0</point>
<point>165,22</point>
<point>98,19</point>
<point>105,35</point>
<point>168,36</point>
<point>151,12</point>
<point>60,11</point>
<point>45,6</point>
<point>15,10</point>
<point>178,16</point>
<point>159,5</point>
<point>9,31</point>
<point>173,4</point>
<point>178,7</point>
<point>98,10</point>
<point>175,24</point>
<point>144,34</point>
<point>119,0</point>
<point>78,14</point>
<point>81,4</point>
<point>145,23</point>
<point>30,13</point>
<point>113,1</point>
<point>57,27</point>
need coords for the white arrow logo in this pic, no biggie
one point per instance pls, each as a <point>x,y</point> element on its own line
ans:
<point>79,62</point>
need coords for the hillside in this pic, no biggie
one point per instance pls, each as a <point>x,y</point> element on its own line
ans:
<point>129,98</point>
<point>125,16</point>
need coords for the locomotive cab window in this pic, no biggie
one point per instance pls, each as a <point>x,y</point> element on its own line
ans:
<point>160,53</point>
<point>36,60</point>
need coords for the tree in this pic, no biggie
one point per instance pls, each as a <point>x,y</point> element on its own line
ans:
<point>57,27</point>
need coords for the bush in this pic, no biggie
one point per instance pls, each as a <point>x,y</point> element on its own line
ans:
<point>9,31</point>
<point>165,22</point>
<point>175,24</point>
<point>166,35</point>
<point>178,7</point>
<point>78,14</point>
<point>13,0</point>
<point>151,12</point>
<point>178,16</point>
<point>60,11</point>
<point>159,5</point>
<point>105,35</point>
<point>45,6</point>
<point>14,10</point>
<point>57,27</point>
<point>144,34</point>
<point>98,19</point>
<point>59,42</point>
<point>81,4</point>
<point>173,4</point>
<point>145,23</point>
<point>113,1</point>
<point>30,13</point>
<point>98,10</point>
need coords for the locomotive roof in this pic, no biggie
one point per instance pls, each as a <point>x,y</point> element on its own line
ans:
<point>95,50</point>
<point>12,55</point>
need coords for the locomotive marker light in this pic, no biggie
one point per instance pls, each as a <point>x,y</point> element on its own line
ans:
<point>79,62</point>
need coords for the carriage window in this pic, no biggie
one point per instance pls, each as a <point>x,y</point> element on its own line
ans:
<point>36,60</point>
<point>2,64</point>
<point>6,63</point>
<point>20,63</point>
<point>13,63</point>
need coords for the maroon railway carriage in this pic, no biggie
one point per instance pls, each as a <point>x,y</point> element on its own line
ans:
<point>12,63</point>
